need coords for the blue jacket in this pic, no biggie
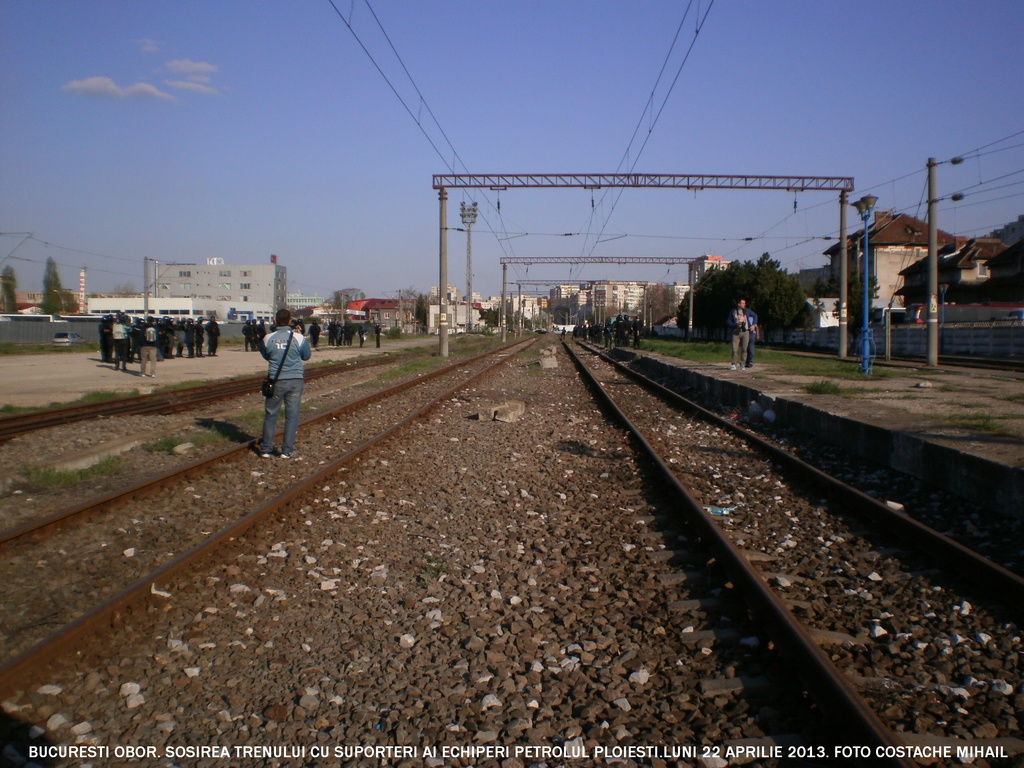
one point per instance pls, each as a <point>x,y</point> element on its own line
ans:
<point>272,348</point>
<point>749,319</point>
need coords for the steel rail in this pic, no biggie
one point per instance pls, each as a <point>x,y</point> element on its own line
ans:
<point>159,402</point>
<point>842,704</point>
<point>152,484</point>
<point>18,671</point>
<point>996,580</point>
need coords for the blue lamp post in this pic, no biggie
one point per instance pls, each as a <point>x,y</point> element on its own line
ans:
<point>865,206</point>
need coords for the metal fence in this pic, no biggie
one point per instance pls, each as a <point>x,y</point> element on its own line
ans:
<point>41,331</point>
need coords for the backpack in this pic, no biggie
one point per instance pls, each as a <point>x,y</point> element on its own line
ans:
<point>151,333</point>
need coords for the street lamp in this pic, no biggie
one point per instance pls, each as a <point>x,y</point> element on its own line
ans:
<point>865,206</point>
<point>468,220</point>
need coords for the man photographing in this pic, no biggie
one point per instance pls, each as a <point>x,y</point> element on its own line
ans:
<point>286,349</point>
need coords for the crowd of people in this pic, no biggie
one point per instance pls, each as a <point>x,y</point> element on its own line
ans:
<point>124,340</point>
<point>619,331</point>
<point>624,331</point>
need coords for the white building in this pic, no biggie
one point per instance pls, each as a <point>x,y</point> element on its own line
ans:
<point>168,307</point>
<point>302,301</point>
<point>213,289</point>
<point>235,290</point>
<point>456,317</point>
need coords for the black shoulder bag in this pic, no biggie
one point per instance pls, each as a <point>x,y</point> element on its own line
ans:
<point>267,388</point>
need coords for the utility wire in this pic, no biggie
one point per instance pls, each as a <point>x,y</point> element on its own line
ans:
<point>391,85</point>
<point>657,116</point>
<point>451,166</point>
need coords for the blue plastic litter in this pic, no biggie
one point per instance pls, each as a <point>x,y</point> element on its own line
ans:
<point>722,510</point>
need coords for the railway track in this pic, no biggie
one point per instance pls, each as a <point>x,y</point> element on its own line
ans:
<point>157,527</point>
<point>161,402</point>
<point>765,516</point>
<point>470,583</point>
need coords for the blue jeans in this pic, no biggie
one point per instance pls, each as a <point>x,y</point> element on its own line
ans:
<point>289,393</point>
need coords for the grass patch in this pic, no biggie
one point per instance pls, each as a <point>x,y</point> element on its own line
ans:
<point>978,422</point>
<point>824,388</point>
<point>48,477</point>
<point>798,365</point>
<point>411,367</point>
<point>251,421</point>
<point>217,434</point>
<point>433,568</point>
<point>184,385</point>
<point>103,396</point>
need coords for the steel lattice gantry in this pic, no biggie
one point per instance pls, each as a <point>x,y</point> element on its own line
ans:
<point>671,260</point>
<point>501,181</point>
<point>640,180</point>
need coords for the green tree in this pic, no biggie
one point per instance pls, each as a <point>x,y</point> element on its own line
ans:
<point>53,291</point>
<point>489,317</point>
<point>775,295</point>
<point>855,300</point>
<point>422,310</point>
<point>8,290</point>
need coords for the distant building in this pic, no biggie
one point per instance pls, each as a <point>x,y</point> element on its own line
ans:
<point>962,267</point>
<point>387,313</point>
<point>254,290</point>
<point>896,241</point>
<point>1006,274</point>
<point>213,289</point>
<point>821,313</point>
<point>1011,233</point>
<point>179,308</point>
<point>302,301</point>
<point>706,262</point>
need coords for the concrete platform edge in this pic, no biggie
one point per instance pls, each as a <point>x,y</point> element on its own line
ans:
<point>980,481</point>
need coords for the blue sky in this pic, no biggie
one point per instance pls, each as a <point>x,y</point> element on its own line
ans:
<point>180,130</point>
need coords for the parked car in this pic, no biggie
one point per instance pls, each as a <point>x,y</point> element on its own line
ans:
<point>68,339</point>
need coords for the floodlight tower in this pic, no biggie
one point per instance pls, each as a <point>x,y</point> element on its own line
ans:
<point>469,213</point>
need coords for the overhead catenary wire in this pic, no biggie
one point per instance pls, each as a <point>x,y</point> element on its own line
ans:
<point>656,117</point>
<point>456,158</point>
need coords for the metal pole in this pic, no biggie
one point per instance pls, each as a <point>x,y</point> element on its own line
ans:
<point>469,213</point>
<point>145,286</point>
<point>520,286</point>
<point>501,309</point>
<point>689,304</point>
<point>933,266</point>
<point>442,314</point>
<point>844,281</point>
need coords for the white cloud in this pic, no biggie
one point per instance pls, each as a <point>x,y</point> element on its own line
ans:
<point>149,46</point>
<point>195,87</point>
<point>191,69</point>
<point>105,88</point>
